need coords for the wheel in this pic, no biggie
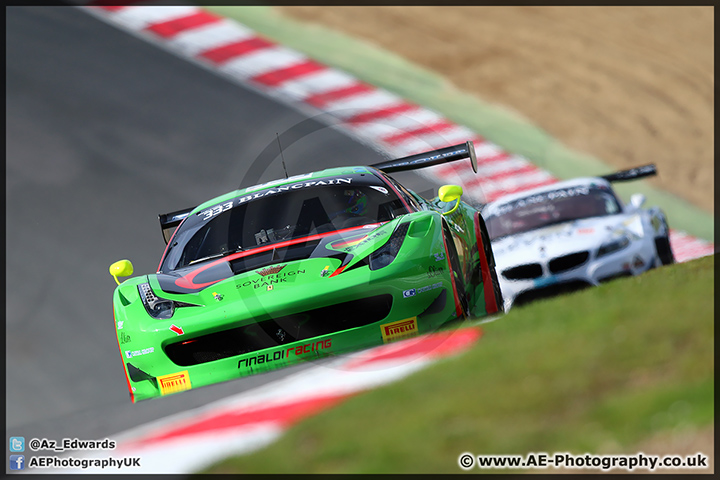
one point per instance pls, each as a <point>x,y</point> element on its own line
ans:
<point>456,272</point>
<point>487,249</point>
<point>664,251</point>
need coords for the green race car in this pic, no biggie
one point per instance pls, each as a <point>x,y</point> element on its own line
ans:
<point>301,268</point>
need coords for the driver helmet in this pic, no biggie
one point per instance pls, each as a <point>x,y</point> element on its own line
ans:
<point>357,202</point>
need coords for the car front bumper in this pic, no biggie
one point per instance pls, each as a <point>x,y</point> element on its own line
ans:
<point>636,258</point>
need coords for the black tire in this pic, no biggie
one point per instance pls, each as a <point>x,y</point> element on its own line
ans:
<point>487,247</point>
<point>664,251</point>
<point>456,271</point>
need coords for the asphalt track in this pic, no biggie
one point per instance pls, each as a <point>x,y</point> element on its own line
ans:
<point>103,132</point>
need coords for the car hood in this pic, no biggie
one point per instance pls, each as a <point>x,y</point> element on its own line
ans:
<point>341,248</point>
<point>561,239</point>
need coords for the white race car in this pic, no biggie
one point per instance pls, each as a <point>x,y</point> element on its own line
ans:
<point>573,234</point>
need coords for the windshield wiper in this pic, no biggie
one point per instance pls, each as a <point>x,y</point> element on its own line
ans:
<point>216,255</point>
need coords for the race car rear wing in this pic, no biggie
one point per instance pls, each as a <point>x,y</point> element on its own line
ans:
<point>631,174</point>
<point>428,159</point>
<point>170,221</point>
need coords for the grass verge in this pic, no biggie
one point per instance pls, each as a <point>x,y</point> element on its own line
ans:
<point>504,127</point>
<point>597,371</point>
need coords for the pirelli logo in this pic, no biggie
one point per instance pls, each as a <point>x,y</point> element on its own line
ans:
<point>398,330</point>
<point>175,382</point>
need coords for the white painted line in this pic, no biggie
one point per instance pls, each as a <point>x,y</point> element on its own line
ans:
<point>397,123</point>
<point>261,61</point>
<point>487,150</point>
<point>355,104</point>
<point>208,37</point>
<point>493,188</point>
<point>314,83</point>
<point>431,141</point>
<point>413,119</point>
<point>140,17</point>
<point>375,129</point>
<point>506,165</point>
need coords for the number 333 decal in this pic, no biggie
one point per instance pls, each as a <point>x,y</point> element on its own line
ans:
<point>216,210</point>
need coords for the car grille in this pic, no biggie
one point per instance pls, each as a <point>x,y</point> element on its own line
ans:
<point>550,291</point>
<point>523,272</point>
<point>567,262</point>
<point>280,330</point>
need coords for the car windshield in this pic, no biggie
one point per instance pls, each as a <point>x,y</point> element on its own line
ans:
<point>548,208</point>
<point>280,214</point>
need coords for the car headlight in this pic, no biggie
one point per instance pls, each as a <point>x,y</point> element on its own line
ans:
<point>383,256</point>
<point>157,307</point>
<point>613,245</point>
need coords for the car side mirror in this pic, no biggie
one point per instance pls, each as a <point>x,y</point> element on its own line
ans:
<point>637,200</point>
<point>121,268</point>
<point>448,193</point>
